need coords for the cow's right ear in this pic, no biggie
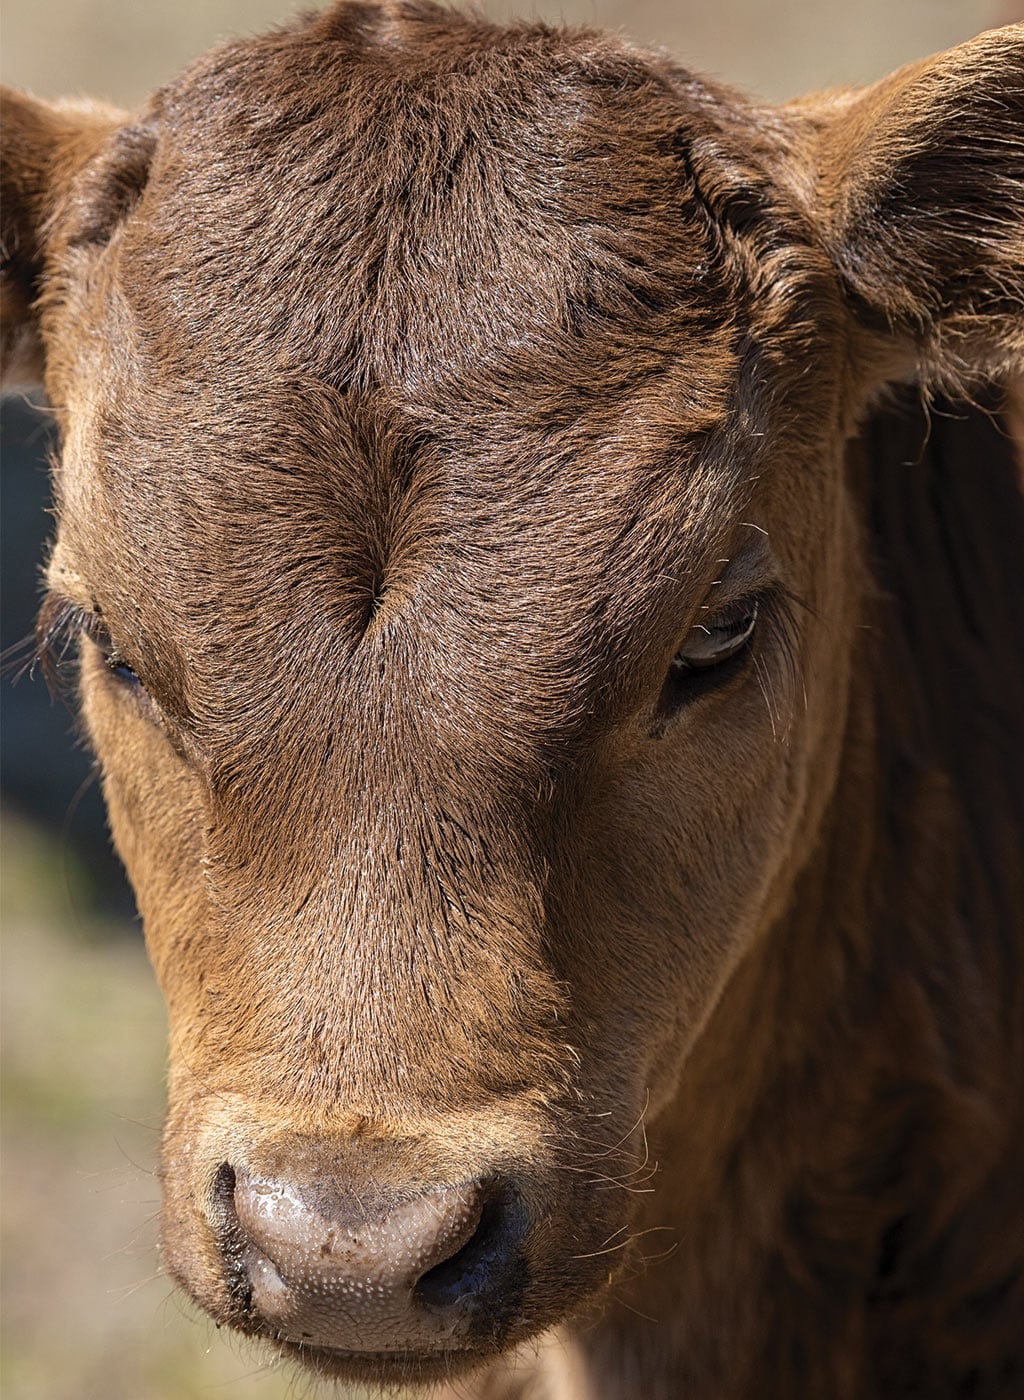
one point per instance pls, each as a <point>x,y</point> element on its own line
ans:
<point>47,149</point>
<point>920,198</point>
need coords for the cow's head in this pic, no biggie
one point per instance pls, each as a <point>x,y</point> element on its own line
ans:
<point>451,505</point>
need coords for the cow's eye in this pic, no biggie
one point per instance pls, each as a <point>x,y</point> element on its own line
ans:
<point>718,640</point>
<point>114,661</point>
<point>122,670</point>
<point>60,625</point>
<point>116,664</point>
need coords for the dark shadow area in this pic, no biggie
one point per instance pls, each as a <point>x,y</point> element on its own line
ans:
<point>46,770</point>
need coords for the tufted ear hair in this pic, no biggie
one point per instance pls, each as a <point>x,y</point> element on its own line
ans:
<point>920,196</point>
<point>49,148</point>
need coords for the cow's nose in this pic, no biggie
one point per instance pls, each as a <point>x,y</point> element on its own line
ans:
<point>436,1272</point>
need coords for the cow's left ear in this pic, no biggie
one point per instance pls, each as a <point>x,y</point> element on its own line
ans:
<point>920,196</point>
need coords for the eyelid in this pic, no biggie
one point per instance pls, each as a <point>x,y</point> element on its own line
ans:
<point>93,627</point>
<point>747,576</point>
<point>90,624</point>
<point>98,633</point>
<point>61,620</point>
<point>58,624</point>
<point>713,642</point>
<point>747,606</point>
<point>729,608</point>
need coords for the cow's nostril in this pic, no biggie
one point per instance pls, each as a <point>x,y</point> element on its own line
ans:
<point>489,1264</point>
<point>224,1184</point>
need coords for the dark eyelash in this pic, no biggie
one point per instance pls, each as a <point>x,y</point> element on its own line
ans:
<point>778,618</point>
<point>59,625</point>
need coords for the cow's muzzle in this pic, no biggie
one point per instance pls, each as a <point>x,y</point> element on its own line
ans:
<point>405,1275</point>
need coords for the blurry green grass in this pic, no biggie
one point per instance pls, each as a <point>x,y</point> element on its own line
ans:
<point>86,1313</point>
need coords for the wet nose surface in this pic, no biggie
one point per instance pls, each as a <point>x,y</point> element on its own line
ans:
<point>416,1277</point>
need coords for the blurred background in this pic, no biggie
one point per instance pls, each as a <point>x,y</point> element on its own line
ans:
<point>86,1312</point>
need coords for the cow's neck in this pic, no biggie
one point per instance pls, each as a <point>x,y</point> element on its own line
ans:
<point>838,1105</point>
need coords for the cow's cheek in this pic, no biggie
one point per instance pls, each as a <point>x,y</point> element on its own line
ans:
<point>154,802</point>
<point>683,880</point>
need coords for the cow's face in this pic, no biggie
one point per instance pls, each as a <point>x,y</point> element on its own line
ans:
<point>451,503</point>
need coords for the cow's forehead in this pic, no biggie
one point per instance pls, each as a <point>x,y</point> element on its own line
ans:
<point>522,481</point>
<point>343,267</point>
<point>377,219</point>
<point>460,343</point>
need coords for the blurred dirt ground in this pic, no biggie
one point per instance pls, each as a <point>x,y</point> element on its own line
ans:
<point>86,1313</point>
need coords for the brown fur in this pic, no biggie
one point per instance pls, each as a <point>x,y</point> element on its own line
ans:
<point>423,382</point>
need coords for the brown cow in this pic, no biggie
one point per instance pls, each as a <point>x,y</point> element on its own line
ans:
<point>558,704</point>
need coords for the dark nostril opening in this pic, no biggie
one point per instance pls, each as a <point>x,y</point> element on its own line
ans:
<point>230,1237</point>
<point>222,1208</point>
<point>489,1262</point>
<point>224,1184</point>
